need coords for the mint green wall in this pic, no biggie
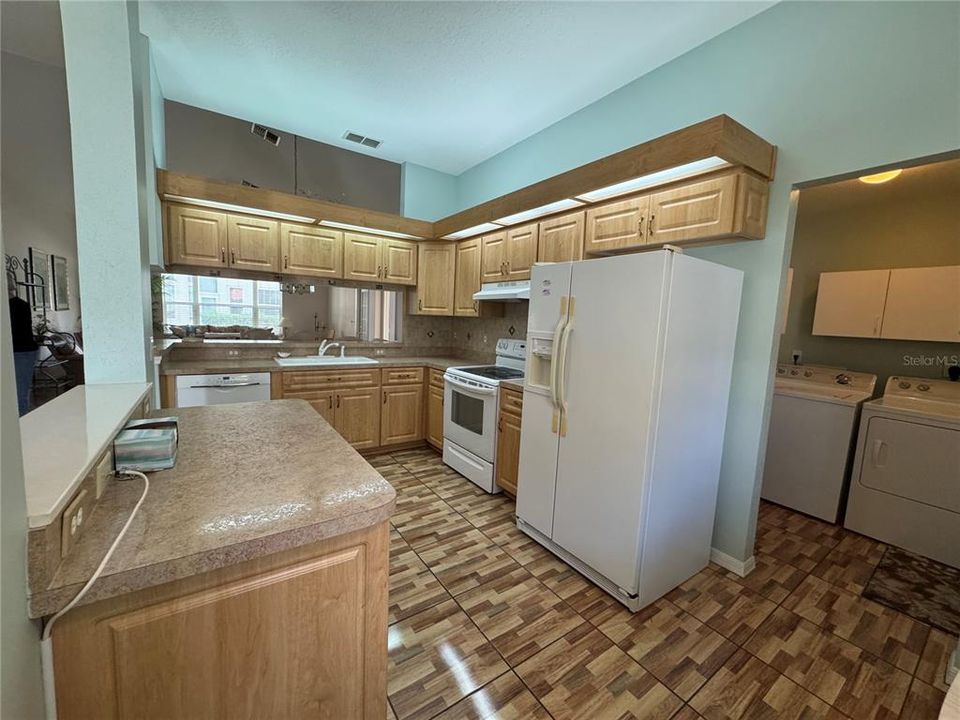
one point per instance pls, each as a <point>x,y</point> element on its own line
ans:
<point>838,87</point>
<point>426,194</point>
<point>105,86</point>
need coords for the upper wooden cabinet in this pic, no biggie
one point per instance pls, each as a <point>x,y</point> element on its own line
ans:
<point>311,250</point>
<point>493,257</point>
<point>379,260</point>
<point>561,238</point>
<point>253,243</point>
<point>435,279</point>
<point>616,226</point>
<point>467,278</point>
<point>361,257</point>
<point>923,304</point>
<point>521,251</point>
<point>196,236</point>
<point>733,203</point>
<point>399,261</point>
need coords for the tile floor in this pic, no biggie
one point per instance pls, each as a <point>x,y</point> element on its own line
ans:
<point>484,623</point>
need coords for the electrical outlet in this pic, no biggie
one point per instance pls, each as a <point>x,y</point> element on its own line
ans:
<point>378,351</point>
<point>233,353</point>
<point>103,472</point>
<point>797,356</point>
<point>74,517</point>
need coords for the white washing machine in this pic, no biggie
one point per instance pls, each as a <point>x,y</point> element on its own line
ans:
<point>813,426</point>
<point>905,488</point>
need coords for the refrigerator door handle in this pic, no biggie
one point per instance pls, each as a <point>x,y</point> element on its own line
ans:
<point>554,358</point>
<point>562,366</point>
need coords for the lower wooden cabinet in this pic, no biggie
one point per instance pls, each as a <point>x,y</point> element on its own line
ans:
<point>292,635</point>
<point>325,404</point>
<point>401,416</point>
<point>508,440</point>
<point>357,417</point>
<point>434,424</point>
<point>348,399</point>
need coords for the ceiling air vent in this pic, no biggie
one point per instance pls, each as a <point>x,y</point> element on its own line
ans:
<point>265,133</point>
<point>362,139</point>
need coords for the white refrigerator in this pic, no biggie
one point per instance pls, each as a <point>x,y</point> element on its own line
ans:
<point>629,361</point>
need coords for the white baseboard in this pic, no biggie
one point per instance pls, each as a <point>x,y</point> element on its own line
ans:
<point>738,567</point>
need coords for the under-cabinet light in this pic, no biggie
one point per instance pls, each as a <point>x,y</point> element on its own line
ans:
<point>533,213</point>
<point>239,208</point>
<point>372,231</point>
<point>644,181</point>
<point>475,230</point>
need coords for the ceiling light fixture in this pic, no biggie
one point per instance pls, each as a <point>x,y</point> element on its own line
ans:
<point>880,177</point>
<point>475,230</point>
<point>655,178</point>
<point>200,202</point>
<point>548,209</point>
<point>372,231</point>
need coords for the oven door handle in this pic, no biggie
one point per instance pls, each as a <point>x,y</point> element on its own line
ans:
<point>468,387</point>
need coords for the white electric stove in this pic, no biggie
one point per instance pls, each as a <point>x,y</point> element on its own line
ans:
<point>471,406</point>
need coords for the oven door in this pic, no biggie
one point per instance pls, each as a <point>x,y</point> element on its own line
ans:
<point>470,416</point>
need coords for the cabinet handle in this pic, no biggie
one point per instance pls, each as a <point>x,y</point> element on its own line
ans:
<point>500,425</point>
<point>338,401</point>
<point>640,226</point>
<point>420,304</point>
<point>385,271</point>
<point>223,255</point>
<point>384,397</point>
<point>476,306</point>
<point>650,226</point>
<point>330,403</point>
<point>286,261</point>
<point>233,257</point>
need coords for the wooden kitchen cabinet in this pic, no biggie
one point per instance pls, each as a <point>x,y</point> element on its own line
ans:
<point>561,238</point>
<point>508,440</point>
<point>306,628</point>
<point>347,398</point>
<point>325,404</point>
<point>253,243</point>
<point>401,419</point>
<point>467,280</point>
<point>361,257</point>
<point>493,257</point>
<point>616,226</point>
<point>434,423</point>
<point>521,251</point>
<point>692,211</point>
<point>923,304</point>
<point>357,417</point>
<point>311,250</point>
<point>435,279</point>
<point>399,261</point>
<point>196,236</point>
<point>851,303</point>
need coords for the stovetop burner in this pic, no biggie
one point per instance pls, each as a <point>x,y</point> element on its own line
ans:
<point>493,372</point>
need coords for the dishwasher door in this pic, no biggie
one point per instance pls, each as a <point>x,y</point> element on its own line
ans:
<point>193,390</point>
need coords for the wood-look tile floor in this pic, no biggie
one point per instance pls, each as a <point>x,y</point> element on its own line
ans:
<point>485,623</point>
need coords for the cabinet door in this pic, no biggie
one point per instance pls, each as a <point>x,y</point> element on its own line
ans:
<point>561,238</point>
<point>399,261</point>
<point>468,278</point>
<point>693,211</point>
<point>357,415</point>
<point>324,404</point>
<point>850,304</point>
<point>493,257</point>
<point>311,250</point>
<point>616,226</point>
<point>435,279</point>
<point>362,257</point>
<point>196,237</point>
<point>253,243</point>
<point>434,430</point>
<point>923,304</point>
<point>401,417</point>
<point>508,452</point>
<point>521,251</point>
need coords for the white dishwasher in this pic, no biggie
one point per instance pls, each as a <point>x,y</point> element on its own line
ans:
<point>193,390</point>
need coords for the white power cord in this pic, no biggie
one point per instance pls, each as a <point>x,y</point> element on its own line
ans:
<point>46,644</point>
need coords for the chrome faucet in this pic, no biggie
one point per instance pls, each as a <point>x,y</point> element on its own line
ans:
<point>326,345</point>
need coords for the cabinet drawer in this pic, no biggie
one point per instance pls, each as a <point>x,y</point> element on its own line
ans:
<point>318,380</point>
<point>511,401</point>
<point>402,376</point>
<point>436,378</point>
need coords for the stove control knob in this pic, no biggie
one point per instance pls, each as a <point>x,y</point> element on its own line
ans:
<point>903,385</point>
<point>923,387</point>
<point>843,379</point>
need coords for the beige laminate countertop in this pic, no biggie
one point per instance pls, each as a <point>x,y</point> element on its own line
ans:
<point>241,365</point>
<point>251,479</point>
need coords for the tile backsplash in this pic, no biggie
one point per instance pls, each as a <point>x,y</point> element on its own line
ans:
<point>472,335</point>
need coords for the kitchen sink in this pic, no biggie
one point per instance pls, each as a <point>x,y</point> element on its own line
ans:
<point>324,360</point>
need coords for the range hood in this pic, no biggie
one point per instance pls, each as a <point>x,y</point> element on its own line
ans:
<point>510,291</point>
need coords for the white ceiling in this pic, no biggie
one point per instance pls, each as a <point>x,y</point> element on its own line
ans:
<point>443,84</point>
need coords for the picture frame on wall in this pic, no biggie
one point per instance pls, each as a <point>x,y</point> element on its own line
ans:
<point>40,269</point>
<point>60,283</point>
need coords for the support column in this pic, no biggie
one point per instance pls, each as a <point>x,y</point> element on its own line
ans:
<point>106,131</point>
